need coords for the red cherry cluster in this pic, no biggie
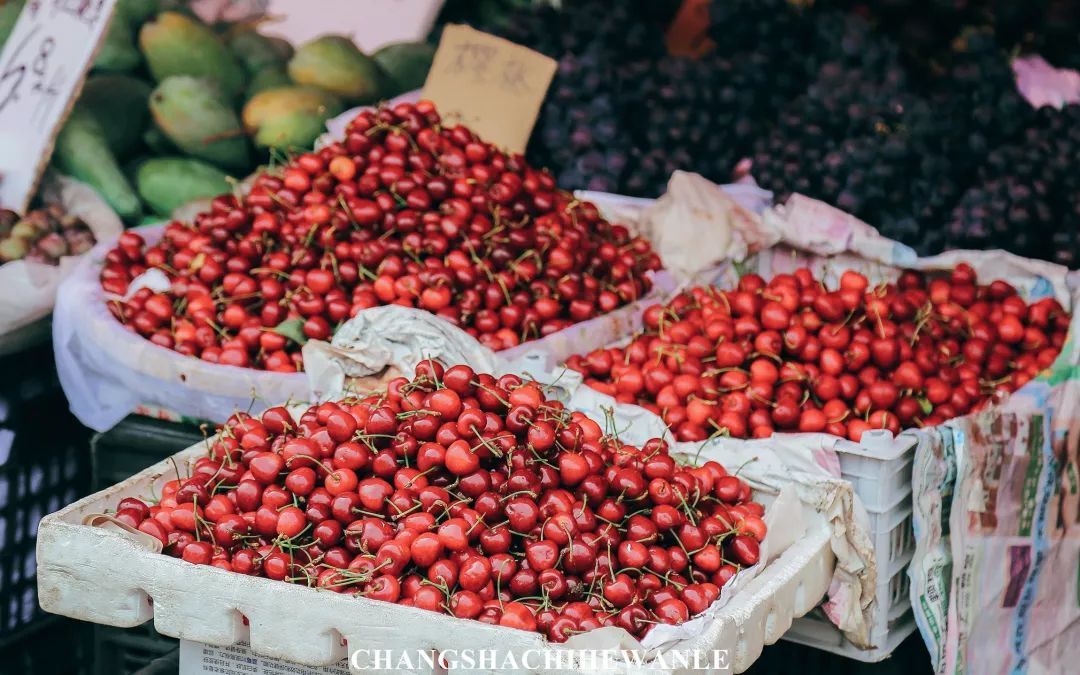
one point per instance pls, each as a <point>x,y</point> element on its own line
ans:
<point>464,494</point>
<point>791,355</point>
<point>404,211</point>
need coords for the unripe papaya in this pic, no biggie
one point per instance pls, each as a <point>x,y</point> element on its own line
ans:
<point>283,101</point>
<point>283,47</point>
<point>138,12</point>
<point>174,44</point>
<point>270,77</point>
<point>256,51</point>
<point>296,130</point>
<point>334,63</point>
<point>166,183</point>
<point>118,53</point>
<point>199,121</point>
<point>119,103</point>
<point>406,65</point>
<point>82,152</point>
<point>9,14</point>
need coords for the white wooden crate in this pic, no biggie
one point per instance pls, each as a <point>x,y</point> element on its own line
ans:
<point>100,576</point>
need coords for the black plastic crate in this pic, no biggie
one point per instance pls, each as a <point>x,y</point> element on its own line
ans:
<point>44,462</point>
<point>129,447</point>
<point>124,651</point>
<point>910,658</point>
<point>53,646</point>
<point>134,444</point>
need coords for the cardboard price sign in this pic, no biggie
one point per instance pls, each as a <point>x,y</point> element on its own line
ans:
<point>489,84</point>
<point>42,68</point>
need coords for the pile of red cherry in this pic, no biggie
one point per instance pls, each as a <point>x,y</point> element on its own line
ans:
<point>791,355</point>
<point>461,493</point>
<point>404,211</point>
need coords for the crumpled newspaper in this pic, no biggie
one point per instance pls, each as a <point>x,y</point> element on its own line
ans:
<point>996,499</point>
<point>695,225</point>
<point>385,342</point>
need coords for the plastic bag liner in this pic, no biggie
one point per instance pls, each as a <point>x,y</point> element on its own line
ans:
<point>107,370</point>
<point>29,288</point>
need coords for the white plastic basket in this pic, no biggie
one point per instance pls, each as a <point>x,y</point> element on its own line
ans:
<point>879,468</point>
<point>100,576</point>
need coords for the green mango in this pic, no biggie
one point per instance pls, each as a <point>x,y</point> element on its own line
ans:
<point>334,63</point>
<point>294,131</point>
<point>82,151</point>
<point>270,77</point>
<point>406,65</point>
<point>9,14</point>
<point>118,53</point>
<point>283,101</point>
<point>256,51</point>
<point>166,183</point>
<point>119,103</point>
<point>174,44</point>
<point>138,12</point>
<point>195,117</point>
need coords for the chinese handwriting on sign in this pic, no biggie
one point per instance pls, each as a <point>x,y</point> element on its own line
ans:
<point>481,63</point>
<point>30,69</point>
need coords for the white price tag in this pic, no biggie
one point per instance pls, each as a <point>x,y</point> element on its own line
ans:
<point>42,68</point>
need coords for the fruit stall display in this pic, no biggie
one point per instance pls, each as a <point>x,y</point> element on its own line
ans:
<point>473,507</point>
<point>174,110</point>
<point>937,151</point>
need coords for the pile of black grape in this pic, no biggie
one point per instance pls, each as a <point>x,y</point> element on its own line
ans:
<point>910,120</point>
<point>926,29</point>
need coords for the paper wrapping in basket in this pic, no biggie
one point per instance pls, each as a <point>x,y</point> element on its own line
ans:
<point>29,288</point>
